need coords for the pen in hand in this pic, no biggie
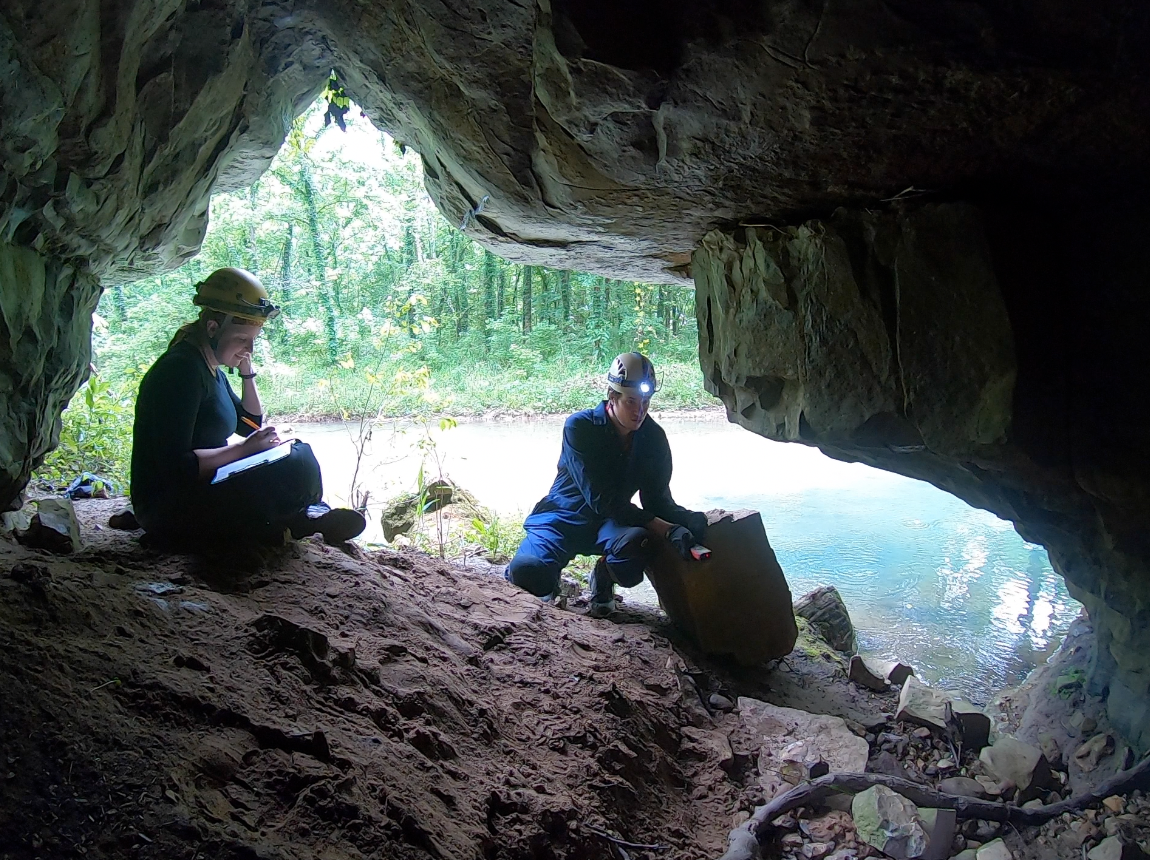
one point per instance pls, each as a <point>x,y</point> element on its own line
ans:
<point>249,422</point>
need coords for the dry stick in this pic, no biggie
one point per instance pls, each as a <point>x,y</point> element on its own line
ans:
<point>744,840</point>
<point>623,843</point>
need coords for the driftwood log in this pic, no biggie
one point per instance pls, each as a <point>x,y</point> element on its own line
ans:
<point>745,840</point>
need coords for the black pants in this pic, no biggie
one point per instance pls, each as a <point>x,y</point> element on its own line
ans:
<point>256,504</point>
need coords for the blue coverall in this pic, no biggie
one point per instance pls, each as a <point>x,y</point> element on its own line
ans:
<point>589,511</point>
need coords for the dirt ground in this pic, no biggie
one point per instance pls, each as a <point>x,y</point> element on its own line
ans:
<point>313,703</point>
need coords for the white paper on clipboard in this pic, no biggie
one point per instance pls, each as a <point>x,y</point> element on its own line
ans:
<point>236,466</point>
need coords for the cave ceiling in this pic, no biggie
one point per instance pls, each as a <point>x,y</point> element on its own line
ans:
<point>601,135</point>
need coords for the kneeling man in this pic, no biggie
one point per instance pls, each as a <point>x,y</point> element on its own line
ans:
<point>609,453</point>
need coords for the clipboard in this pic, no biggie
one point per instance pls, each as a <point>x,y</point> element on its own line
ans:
<point>271,455</point>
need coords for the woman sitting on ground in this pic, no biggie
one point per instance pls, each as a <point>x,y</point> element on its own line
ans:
<point>185,412</point>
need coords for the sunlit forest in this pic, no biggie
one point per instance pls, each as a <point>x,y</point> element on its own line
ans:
<point>388,310</point>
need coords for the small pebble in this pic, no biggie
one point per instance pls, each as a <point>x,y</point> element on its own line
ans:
<point>720,702</point>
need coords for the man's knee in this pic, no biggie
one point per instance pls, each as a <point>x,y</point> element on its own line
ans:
<point>533,574</point>
<point>628,555</point>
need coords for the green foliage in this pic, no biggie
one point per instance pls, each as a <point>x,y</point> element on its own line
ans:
<point>1068,684</point>
<point>95,436</point>
<point>498,537</point>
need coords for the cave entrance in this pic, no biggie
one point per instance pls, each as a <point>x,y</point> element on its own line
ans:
<point>397,327</point>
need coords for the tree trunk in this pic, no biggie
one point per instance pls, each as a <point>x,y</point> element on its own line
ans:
<point>500,292</point>
<point>565,295</point>
<point>528,276</point>
<point>318,270</point>
<point>488,285</point>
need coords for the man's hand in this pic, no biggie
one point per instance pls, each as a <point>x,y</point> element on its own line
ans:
<point>682,540</point>
<point>245,365</point>
<point>697,525</point>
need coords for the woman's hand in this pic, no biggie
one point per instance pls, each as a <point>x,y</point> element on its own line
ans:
<point>245,365</point>
<point>260,440</point>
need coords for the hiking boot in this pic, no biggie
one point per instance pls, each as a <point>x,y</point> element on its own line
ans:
<point>337,525</point>
<point>602,591</point>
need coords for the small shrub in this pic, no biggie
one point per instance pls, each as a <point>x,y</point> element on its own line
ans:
<point>96,436</point>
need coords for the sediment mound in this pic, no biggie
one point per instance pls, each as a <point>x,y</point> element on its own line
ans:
<point>312,703</point>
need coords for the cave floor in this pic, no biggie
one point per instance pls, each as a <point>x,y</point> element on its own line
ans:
<point>312,702</point>
<point>309,702</point>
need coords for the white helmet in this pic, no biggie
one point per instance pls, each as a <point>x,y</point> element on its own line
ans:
<point>632,372</point>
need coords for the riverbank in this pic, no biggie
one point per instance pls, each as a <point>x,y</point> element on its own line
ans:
<point>493,415</point>
<point>915,564</point>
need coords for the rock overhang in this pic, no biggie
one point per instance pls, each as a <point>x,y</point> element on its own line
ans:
<point>616,137</point>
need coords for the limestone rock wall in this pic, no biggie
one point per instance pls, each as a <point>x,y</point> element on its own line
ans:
<point>46,333</point>
<point>968,349</point>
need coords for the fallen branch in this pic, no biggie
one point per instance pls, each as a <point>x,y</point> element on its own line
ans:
<point>745,840</point>
<point>623,843</point>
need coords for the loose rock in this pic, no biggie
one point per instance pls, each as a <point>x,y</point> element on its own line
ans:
<point>1115,804</point>
<point>124,520</point>
<point>995,850</point>
<point>53,527</point>
<point>865,674</point>
<point>1094,750</point>
<point>889,822</point>
<point>1020,764</point>
<point>962,786</point>
<point>1112,848</point>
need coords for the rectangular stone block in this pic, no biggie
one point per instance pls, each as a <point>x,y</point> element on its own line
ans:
<point>737,602</point>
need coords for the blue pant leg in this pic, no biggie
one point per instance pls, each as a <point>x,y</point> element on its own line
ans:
<point>541,557</point>
<point>628,550</point>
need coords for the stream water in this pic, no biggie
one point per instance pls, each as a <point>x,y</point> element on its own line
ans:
<point>927,579</point>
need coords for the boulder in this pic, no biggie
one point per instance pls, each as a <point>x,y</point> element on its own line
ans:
<point>737,602</point>
<point>1020,764</point>
<point>791,741</point>
<point>867,675</point>
<point>53,527</point>
<point>825,609</point>
<point>941,826</point>
<point>399,515</point>
<point>19,519</point>
<point>889,822</point>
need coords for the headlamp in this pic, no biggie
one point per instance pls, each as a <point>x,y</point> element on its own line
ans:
<point>645,388</point>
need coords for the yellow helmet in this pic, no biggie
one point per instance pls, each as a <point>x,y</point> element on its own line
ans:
<point>237,293</point>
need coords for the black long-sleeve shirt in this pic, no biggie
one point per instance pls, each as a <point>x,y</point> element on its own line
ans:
<point>181,406</point>
<point>598,476</point>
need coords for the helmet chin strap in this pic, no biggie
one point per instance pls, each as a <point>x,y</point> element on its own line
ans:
<point>214,341</point>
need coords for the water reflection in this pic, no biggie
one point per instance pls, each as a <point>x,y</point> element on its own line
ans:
<point>929,580</point>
